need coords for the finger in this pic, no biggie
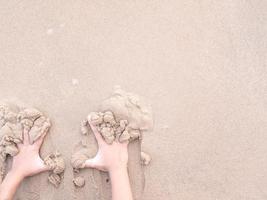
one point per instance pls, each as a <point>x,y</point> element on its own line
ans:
<point>95,131</point>
<point>44,132</point>
<point>123,144</point>
<point>126,143</point>
<point>20,145</point>
<point>26,137</point>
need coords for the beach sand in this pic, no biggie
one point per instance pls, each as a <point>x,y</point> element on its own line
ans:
<point>201,65</point>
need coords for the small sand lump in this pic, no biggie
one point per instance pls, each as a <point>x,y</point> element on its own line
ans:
<point>84,127</point>
<point>79,181</point>
<point>14,120</point>
<point>109,128</point>
<point>145,158</point>
<point>123,117</point>
<point>55,179</point>
<point>78,160</point>
<point>56,163</point>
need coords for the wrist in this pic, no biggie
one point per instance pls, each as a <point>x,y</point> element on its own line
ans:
<point>16,175</point>
<point>10,184</point>
<point>117,166</point>
<point>118,170</point>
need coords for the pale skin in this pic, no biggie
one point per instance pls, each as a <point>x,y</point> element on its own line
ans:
<point>26,163</point>
<point>112,159</point>
<point>109,158</point>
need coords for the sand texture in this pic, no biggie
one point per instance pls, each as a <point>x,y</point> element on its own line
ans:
<point>15,121</point>
<point>120,118</point>
<point>201,64</point>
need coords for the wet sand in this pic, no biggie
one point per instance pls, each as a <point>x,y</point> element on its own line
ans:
<point>201,64</point>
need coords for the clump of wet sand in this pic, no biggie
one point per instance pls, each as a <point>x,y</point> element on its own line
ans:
<point>16,120</point>
<point>122,117</point>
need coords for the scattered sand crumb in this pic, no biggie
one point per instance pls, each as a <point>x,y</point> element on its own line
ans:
<point>55,179</point>
<point>145,158</point>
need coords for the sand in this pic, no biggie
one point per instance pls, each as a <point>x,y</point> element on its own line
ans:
<point>201,65</point>
<point>122,117</point>
<point>15,121</point>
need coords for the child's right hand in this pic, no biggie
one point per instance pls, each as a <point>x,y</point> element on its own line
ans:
<point>110,157</point>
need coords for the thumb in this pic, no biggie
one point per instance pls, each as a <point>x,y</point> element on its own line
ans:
<point>95,163</point>
<point>91,163</point>
<point>44,167</point>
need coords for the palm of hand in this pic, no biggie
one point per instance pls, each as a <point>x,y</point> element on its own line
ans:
<point>109,157</point>
<point>28,161</point>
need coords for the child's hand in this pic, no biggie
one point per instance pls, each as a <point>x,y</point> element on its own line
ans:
<point>109,157</point>
<point>28,162</point>
<point>112,158</point>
